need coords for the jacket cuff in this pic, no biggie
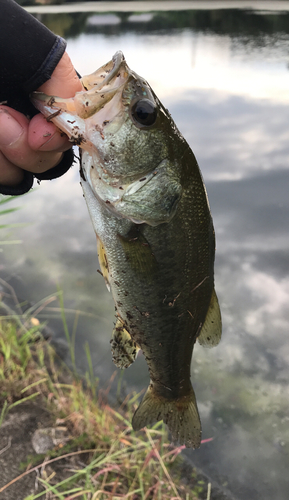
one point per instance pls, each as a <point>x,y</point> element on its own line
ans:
<point>60,169</point>
<point>21,188</point>
<point>43,74</point>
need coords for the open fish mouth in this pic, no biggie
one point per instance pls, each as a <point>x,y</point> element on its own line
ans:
<point>101,99</point>
<point>106,74</point>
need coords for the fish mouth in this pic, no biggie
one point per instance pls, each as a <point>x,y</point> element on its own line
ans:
<point>98,103</point>
<point>101,87</point>
<point>106,74</point>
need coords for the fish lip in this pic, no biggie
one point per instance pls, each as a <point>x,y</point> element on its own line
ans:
<point>39,99</point>
<point>118,58</point>
<point>94,84</point>
<point>99,88</point>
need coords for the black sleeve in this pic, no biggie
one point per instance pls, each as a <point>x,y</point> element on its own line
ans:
<point>29,53</point>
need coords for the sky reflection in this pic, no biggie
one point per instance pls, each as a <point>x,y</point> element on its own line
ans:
<point>230,103</point>
<point>194,60</point>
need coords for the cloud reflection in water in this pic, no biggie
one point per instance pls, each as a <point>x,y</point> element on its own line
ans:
<point>232,110</point>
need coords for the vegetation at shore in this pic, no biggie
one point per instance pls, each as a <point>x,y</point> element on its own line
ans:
<point>94,452</point>
<point>104,457</point>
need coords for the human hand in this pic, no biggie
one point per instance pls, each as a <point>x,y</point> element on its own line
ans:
<point>35,145</point>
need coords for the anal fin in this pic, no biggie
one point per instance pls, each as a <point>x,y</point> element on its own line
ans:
<point>124,349</point>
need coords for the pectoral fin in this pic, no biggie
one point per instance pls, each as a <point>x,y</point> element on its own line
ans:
<point>211,330</point>
<point>139,254</point>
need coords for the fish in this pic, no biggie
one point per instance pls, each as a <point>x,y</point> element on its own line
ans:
<point>155,237</point>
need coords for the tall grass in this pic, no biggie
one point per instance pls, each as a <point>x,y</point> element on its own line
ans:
<point>104,458</point>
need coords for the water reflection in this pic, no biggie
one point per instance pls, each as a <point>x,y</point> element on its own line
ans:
<point>252,28</point>
<point>231,105</point>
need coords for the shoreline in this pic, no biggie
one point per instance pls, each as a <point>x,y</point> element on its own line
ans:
<point>160,5</point>
<point>53,415</point>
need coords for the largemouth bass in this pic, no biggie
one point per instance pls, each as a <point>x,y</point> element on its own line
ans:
<point>155,235</point>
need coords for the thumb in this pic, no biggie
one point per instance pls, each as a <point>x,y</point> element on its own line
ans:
<point>64,81</point>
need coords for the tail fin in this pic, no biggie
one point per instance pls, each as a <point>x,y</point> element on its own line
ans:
<point>181,416</point>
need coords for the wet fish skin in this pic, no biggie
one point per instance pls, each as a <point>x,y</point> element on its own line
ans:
<point>156,242</point>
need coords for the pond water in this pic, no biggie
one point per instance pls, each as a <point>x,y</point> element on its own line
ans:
<point>223,74</point>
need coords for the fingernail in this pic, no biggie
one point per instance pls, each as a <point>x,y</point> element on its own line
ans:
<point>10,129</point>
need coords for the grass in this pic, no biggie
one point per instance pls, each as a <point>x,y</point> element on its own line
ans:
<point>6,211</point>
<point>104,458</point>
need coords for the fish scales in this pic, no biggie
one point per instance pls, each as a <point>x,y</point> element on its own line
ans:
<point>156,244</point>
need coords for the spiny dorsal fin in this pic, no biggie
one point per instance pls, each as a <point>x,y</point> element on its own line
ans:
<point>211,330</point>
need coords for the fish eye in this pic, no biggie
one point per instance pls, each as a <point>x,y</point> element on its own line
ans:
<point>144,112</point>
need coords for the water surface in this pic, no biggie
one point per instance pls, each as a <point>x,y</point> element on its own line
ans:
<point>224,77</point>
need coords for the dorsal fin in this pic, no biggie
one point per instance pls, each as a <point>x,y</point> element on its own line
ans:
<point>211,330</point>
